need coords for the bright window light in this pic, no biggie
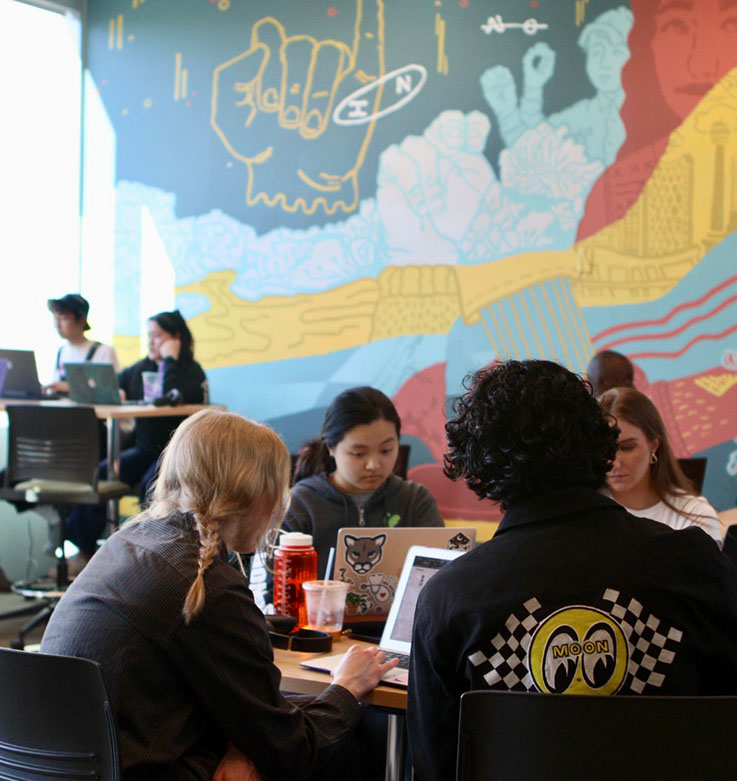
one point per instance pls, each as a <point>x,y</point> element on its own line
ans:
<point>40,81</point>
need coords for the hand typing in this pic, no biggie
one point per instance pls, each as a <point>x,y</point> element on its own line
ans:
<point>362,669</point>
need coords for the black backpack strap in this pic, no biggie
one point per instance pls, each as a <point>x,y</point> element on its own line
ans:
<point>91,351</point>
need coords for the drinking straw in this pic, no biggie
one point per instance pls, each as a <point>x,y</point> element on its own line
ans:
<point>329,567</point>
<point>321,606</point>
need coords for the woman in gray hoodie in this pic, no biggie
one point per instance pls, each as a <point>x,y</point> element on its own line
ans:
<point>345,477</point>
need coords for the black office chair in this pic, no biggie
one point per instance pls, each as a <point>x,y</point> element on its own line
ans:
<point>730,543</point>
<point>400,468</point>
<point>55,719</point>
<point>53,457</point>
<point>510,735</point>
<point>694,469</point>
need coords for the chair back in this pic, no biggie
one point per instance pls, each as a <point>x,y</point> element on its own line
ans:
<point>694,469</point>
<point>400,468</point>
<point>511,735</point>
<point>52,443</point>
<point>730,543</point>
<point>55,719</point>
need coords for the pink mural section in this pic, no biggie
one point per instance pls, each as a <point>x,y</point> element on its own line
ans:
<point>421,406</point>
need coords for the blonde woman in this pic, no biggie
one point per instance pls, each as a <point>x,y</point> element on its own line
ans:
<point>184,651</point>
<point>645,477</point>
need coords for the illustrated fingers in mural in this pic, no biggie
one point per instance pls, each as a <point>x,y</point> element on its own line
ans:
<point>538,65</point>
<point>272,107</point>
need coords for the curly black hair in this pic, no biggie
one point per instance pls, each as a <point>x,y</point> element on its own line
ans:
<point>528,428</point>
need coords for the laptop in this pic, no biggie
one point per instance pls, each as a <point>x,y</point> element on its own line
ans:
<point>21,376</point>
<point>370,560</point>
<point>3,372</point>
<point>420,564</point>
<point>92,383</point>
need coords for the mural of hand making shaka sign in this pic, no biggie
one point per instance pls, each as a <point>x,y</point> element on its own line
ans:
<point>272,108</point>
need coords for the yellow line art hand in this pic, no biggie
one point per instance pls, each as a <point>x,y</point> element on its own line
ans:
<point>272,107</point>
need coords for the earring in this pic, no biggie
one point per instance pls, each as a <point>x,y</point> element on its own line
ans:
<point>653,458</point>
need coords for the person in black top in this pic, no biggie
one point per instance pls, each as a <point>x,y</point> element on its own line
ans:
<point>572,594</point>
<point>171,355</point>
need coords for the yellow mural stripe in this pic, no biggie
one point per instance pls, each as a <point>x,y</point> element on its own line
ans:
<point>566,319</point>
<point>559,320</point>
<point>111,34</point>
<point>543,320</point>
<point>119,42</point>
<point>579,324</point>
<point>185,74</point>
<point>539,346</point>
<point>520,330</point>
<point>509,331</point>
<point>492,341</point>
<point>506,350</point>
<point>442,62</point>
<point>177,75</point>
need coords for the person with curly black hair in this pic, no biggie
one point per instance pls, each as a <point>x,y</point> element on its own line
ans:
<point>573,594</point>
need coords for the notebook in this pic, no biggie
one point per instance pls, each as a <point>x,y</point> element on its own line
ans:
<point>420,564</point>
<point>370,560</point>
<point>21,376</point>
<point>92,383</point>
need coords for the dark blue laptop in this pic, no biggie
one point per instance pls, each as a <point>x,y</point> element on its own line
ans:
<point>21,376</point>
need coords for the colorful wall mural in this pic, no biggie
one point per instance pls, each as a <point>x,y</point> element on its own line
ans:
<point>364,192</point>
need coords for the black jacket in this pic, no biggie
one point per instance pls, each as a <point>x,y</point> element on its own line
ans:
<point>152,434</point>
<point>180,691</point>
<point>573,594</point>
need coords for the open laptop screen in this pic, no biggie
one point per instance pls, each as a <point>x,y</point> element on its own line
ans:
<point>423,568</point>
<point>419,566</point>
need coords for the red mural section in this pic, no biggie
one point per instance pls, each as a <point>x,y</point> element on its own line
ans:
<point>679,50</point>
<point>421,406</point>
<point>698,411</point>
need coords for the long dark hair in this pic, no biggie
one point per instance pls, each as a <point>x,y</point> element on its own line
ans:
<point>636,408</point>
<point>351,408</point>
<point>173,323</point>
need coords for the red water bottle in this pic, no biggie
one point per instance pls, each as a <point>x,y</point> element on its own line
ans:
<point>295,561</point>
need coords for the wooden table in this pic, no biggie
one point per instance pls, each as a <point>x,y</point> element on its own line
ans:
<point>393,700</point>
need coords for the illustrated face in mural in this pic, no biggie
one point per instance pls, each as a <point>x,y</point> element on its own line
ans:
<point>694,45</point>
<point>365,457</point>
<point>605,56</point>
<point>631,469</point>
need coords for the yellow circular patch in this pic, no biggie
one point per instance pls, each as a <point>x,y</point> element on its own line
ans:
<point>578,650</point>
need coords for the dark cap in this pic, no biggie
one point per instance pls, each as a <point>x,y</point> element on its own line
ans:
<point>71,302</point>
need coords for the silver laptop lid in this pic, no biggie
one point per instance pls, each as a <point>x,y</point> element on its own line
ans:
<point>419,566</point>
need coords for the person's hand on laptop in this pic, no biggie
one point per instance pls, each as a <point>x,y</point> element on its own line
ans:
<point>361,669</point>
<point>55,387</point>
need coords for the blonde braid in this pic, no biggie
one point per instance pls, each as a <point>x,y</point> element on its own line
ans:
<point>209,531</point>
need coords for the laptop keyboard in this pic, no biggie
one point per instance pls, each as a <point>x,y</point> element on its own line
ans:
<point>403,658</point>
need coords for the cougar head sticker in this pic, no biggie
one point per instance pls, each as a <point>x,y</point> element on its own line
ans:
<point>364,553</point>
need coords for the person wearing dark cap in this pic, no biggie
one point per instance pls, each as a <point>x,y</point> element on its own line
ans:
<point>70,319</point>
<point>182,380</point>
<point>609,369</point>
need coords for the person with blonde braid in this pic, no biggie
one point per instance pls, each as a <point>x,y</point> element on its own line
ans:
<point>184,651</point>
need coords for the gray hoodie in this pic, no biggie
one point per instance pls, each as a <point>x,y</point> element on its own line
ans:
<point>320,509</point>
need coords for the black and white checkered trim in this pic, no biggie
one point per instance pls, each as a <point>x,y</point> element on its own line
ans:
<point>652,643</point>
<point>506,665</point>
